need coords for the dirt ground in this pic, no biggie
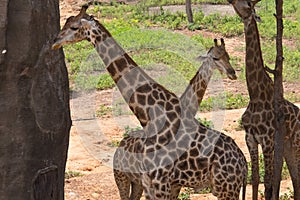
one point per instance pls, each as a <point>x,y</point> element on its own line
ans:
<point>90,150</point>
<point>91,139</point>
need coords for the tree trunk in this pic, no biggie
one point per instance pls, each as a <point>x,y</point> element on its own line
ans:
<point>280,129</point>
<point>189,12</point>
<point>34,102</point>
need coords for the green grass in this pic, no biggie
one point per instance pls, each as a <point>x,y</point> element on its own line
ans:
<point>288,195</point>
<point>292,97</point>
<point>185,194</point>
<point>149,43</point>
<point>72,174</point>
<point>128,130</point>
<point>227,25</point>
<point>206,122</point>
<point>148,48</point>
<point>225,100</point>
<point>114,143</point>
<point>138,15</point>
<point>291,11</point>
<point>103,110</point>
<point>291,62</point>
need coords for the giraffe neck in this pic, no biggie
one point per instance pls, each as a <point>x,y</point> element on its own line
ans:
<point>260,85</point>
<point>193,94</point>
<point>123,70</point>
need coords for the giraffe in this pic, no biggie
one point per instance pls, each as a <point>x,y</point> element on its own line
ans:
<point>216,58</point>
<point>259,118</point>
<point>176,149</point>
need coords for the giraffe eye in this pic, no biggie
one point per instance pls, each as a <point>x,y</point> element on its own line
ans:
<point>74,28</point>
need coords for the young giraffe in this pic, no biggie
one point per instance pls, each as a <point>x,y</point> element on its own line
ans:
<point>259,118</point>
<point>125,173</point>
<point>176,150</point>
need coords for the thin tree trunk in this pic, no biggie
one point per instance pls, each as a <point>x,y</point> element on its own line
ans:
<point>34,102</point>
<point>280,129</point>
<point>189,12</point>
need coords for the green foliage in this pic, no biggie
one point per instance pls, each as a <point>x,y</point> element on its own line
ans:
<point>185,195</point>
<point>206,122</point>
<point>72,174</point>
<point>120,107</point>
<point>85,82</point>
<point>203,41</point>
<point>226,100</point>
<point>103,110</point>
<point>240,125</point>
<point>205,191</point>
<point>114,143</point>
<point>235,101</point>
<point>227,25</point>
<point>267,27</point>
<point>75,54</point>
<point>169,20</point>
<point>287,196</point>
<point>156,46</point>
<point>291,62</point>
<point>105,82</point>
<point>140,15</point>
<point>292,97</point>
<point>128,130</point>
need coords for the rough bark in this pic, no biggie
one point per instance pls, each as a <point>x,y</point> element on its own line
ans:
<point>3,21</point>
<point>280,129</point>
<point>34,102</point>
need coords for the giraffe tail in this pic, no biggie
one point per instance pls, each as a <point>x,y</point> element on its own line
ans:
<point>244,185</point>
<point>244,190</point>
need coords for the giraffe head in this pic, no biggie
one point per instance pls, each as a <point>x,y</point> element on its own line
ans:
<point>245,9</point>
<point>78,28</point>
<point>218,58</point>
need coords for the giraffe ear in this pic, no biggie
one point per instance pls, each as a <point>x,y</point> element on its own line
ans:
<point>257,17</point>
<point>222,42</point>
<point>201,58</point>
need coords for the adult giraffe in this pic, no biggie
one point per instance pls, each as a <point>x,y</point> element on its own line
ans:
<point>176,148</point>
<point>259,118</point>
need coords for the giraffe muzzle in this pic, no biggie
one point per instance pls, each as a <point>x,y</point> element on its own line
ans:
<point>231,74</point>
<point>56,44</point>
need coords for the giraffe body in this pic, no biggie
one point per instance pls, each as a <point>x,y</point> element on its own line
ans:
<point>259,117</point>
<point>213,160</point>
<point>171,134</point>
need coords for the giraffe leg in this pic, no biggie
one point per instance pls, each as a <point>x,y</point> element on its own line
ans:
<point>123,184</point>
<point>175,191</point>
<point>268,164</point>
<point>296,180</point>
<point>292,160</point>
<point>225,188</point>
<point>156,188</point>
<point>136,191</point>
<point>253,150</point>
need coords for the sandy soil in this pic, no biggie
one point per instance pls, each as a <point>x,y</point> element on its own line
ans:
<point>91,149</point>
